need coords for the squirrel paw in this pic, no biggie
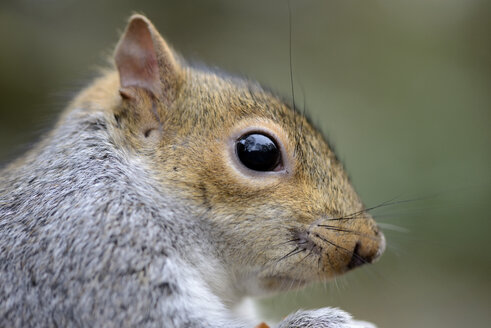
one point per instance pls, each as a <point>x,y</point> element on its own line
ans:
<point>322,318</point>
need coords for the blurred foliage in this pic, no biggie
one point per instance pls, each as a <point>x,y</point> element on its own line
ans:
<point>402,89</point>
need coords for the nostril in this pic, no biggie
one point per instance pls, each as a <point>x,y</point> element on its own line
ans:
<point>363,254</point>
<point>356,258</point>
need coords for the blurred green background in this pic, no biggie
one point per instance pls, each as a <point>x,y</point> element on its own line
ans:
<point>402,89</point>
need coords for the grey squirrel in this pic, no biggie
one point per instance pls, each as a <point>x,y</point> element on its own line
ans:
<point>167,193</point>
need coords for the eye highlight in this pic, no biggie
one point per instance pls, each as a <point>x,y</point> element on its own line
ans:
<point>258,152</point>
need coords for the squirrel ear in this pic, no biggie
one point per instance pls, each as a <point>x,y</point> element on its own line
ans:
<point>144,60</point>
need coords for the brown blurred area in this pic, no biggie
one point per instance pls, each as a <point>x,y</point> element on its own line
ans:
<point>401,88</point>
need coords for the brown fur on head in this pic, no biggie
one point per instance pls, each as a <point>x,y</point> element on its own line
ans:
<point>301,223</point>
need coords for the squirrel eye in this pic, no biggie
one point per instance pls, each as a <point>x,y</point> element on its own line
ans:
<point>258,152</point>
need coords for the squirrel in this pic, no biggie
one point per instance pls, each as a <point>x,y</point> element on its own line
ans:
<point>165,194</point>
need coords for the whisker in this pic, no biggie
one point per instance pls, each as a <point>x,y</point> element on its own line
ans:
<point>287,242</point>
<point>290,23</point>
<point>392,227</point>
<point>383,204</point>
<point>295,251</point>
<point>308,254</point>
<point>348,218</point>
<point>334,228</point>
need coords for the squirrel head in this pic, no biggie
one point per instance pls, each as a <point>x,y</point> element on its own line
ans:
<point>280,204</point>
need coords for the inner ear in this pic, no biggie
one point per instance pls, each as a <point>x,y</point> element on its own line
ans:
<point>136,58</point>
<point>144,60</point>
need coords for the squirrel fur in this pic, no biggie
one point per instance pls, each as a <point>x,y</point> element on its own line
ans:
<point>134,210</point>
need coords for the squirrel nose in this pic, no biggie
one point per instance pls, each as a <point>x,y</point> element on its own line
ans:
<point>367,252</point>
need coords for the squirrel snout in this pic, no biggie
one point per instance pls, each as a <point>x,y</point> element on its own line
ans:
<point>343,248</point>
<point>367,252</point>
